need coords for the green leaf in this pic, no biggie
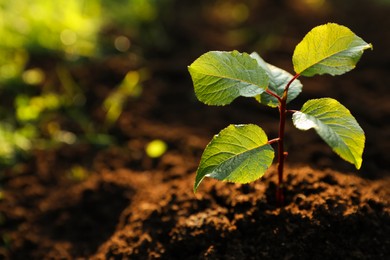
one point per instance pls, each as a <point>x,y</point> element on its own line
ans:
<point>336,126</point>
<point>239,153</point>
<point>278,80</point>
<point>329,48</point>
<point>220,77</point>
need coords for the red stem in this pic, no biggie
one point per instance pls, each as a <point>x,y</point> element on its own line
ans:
<point>273,94</point>
<point>282,121</point>
<point>291,111</point>
<point>281,153</point>
<point>273,141</point>
<point>288,85</point>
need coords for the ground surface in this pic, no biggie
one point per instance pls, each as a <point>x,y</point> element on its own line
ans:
<point>131,206</point>
<point>128,206</point>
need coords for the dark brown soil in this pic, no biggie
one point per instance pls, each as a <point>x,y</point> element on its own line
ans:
<point>125,205</point>
<point>132,207</point>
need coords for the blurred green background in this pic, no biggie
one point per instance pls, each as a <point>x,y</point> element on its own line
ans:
<point>68,68</point>
<point>42,43</point>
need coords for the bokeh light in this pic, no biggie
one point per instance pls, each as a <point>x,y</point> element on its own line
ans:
<point>122,43</point>
<point>156,148</point>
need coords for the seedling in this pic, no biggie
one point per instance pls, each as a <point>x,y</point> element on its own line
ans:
<point>242,153</point>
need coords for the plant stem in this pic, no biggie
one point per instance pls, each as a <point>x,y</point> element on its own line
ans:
<point>273,141</point>
<point>291,111</point>
<point>282,121</point>
<point>281,153</point>
<point>273,94</point>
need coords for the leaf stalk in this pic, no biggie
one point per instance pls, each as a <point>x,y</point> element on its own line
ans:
<point>273,94</point>
<point>273,141</point>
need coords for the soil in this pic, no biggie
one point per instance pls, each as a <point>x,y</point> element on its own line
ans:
<point>84,202</point>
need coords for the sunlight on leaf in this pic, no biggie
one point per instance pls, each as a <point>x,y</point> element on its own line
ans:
<point>328,49</point>
<point>278,80</point>
<point>336,126</point>
<point>220,77</point>
<point>239,153</point>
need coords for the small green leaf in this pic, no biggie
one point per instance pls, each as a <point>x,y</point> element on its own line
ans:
<point>220,77</point>
<point>239,153</point>
<point>336,126</point>
<point>329,48</point>
<point>278,80</point>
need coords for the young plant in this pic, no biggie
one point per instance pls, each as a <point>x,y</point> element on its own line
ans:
<point>242,153</point>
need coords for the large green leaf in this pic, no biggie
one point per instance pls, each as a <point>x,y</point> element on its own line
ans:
<point>336,126</point>
<point>329,48</point>
<point>278,80</point>
<point>239,153</point>
<point>220,77</point>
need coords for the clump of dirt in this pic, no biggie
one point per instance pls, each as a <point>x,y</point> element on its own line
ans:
<point>228,221</point>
